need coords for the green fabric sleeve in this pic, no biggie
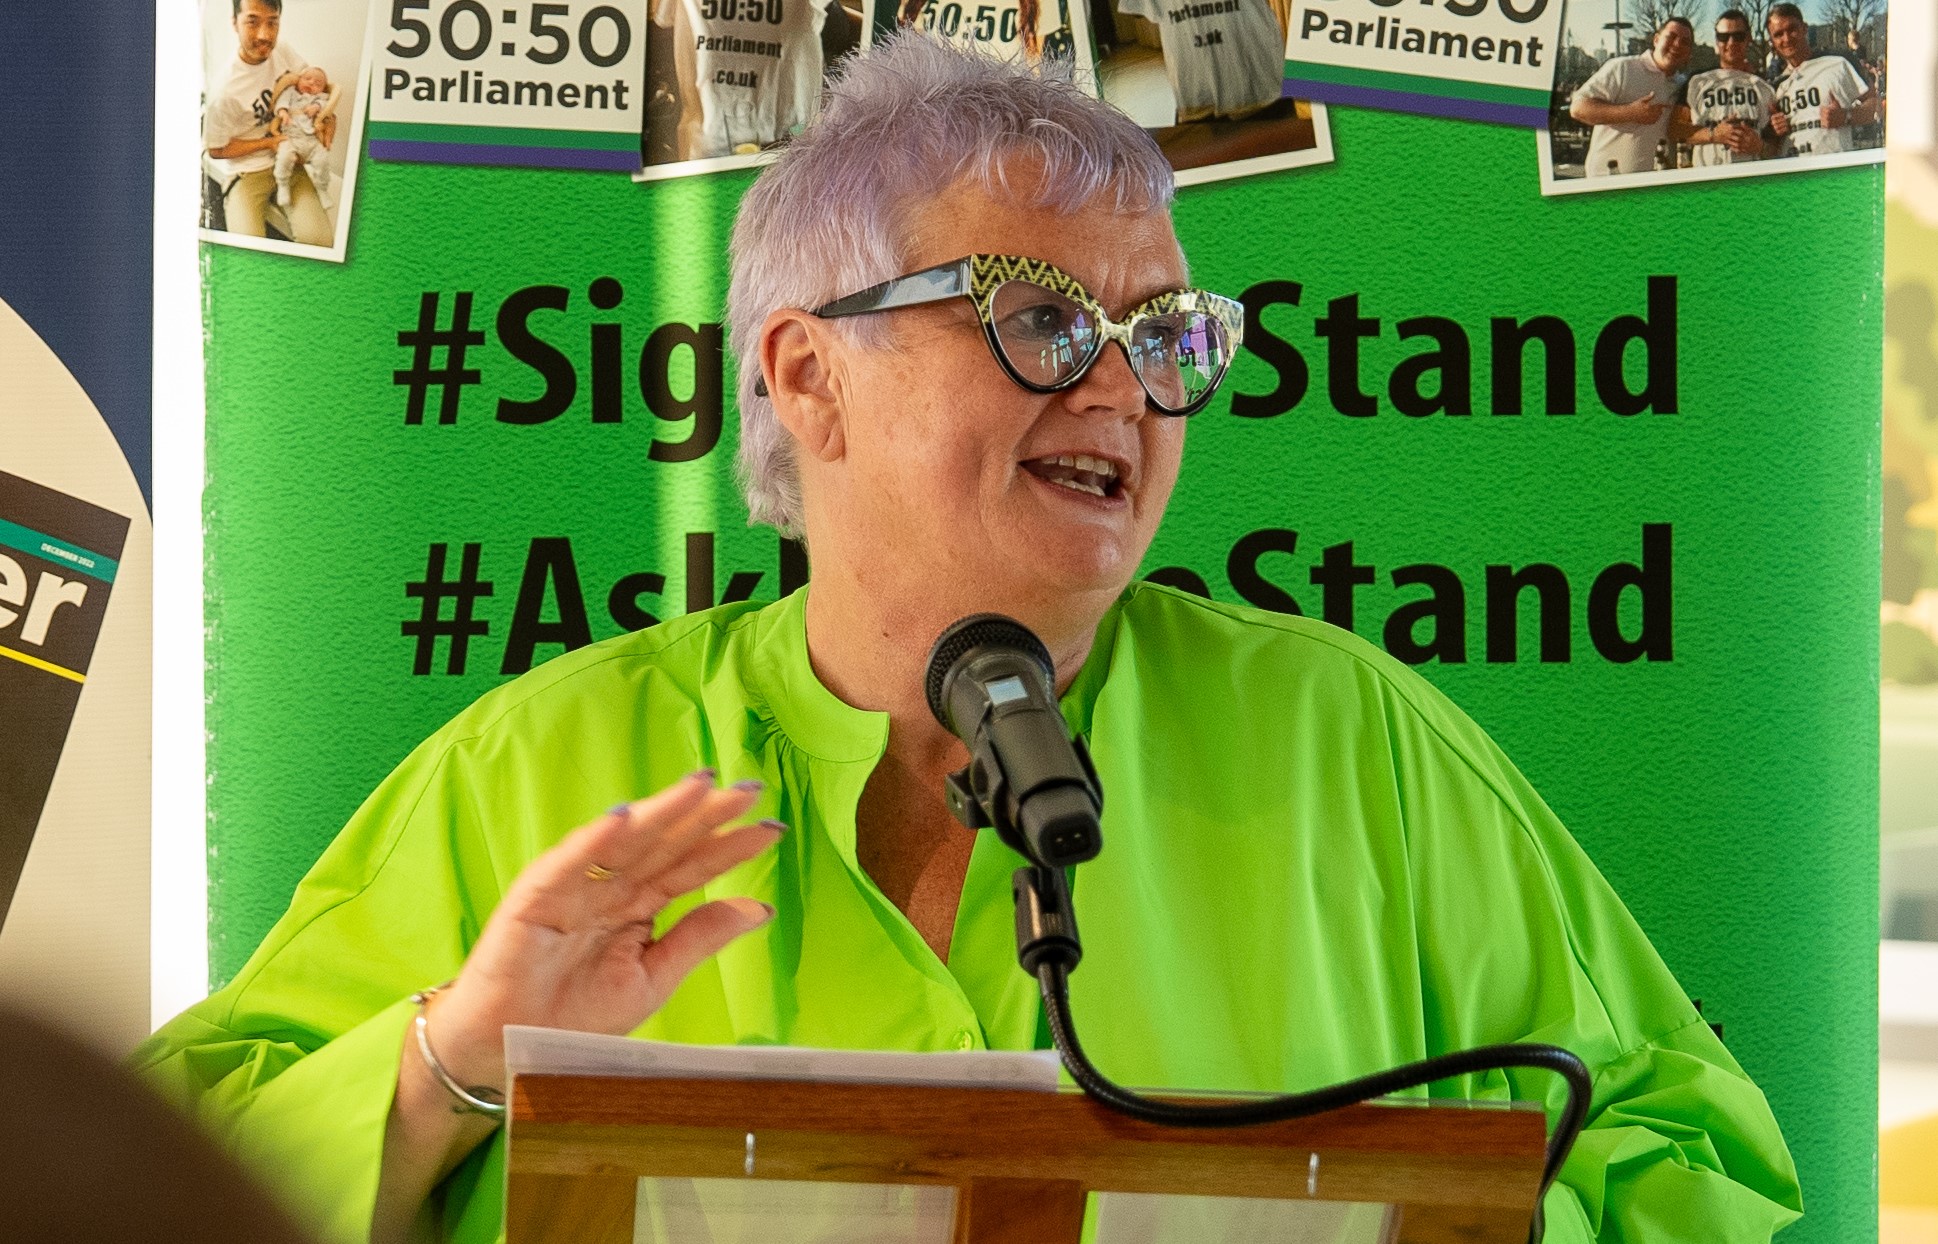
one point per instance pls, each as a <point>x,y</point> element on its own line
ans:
<point>294,1064</point>
<point>1679,1145</point>
<point>309,1123</point>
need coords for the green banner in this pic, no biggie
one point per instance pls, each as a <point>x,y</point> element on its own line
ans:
<point>1603,466</point>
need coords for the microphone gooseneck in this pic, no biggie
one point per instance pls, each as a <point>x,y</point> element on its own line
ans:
<point>990,682</point>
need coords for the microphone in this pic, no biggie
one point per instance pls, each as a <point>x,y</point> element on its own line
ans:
<point>991,684</point>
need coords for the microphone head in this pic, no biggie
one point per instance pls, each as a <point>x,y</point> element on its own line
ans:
<point>976,633</point>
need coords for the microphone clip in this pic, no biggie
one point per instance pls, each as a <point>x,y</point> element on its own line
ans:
<point>963,803</point>
<point>978,794</point>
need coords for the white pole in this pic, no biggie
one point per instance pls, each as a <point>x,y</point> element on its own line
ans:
<point>179,944</point>
<point>1912,43</point>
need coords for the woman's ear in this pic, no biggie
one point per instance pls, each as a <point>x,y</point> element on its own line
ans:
<point>799,365</point>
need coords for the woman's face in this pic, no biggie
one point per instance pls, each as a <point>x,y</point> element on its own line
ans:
<point>950,465</point>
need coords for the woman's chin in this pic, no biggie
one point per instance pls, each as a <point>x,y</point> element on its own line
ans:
<point>1063,563</point>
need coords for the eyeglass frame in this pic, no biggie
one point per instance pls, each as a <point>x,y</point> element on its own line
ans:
<point>977,277</point>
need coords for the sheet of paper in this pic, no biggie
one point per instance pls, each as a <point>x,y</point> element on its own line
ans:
<point>554,1051</point>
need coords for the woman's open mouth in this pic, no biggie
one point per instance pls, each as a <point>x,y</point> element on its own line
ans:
<point>1082,473</point>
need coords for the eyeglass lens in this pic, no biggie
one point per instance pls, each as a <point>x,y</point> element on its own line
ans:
<point>1047,338</point>
<point>1179,356</point>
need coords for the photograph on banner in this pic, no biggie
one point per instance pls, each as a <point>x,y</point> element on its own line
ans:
<point>1029,30</point>
<point>282,122</point>
<point>729,80</point>
<point>1653,92</point>
<point>1206,78</point>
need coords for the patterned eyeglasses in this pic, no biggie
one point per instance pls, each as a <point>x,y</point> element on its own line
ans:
<point>1046,330</point>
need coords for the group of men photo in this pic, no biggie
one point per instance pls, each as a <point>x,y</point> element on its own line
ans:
<point>1644,110</point>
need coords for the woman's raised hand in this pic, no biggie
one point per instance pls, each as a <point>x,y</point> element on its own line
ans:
<point>572,945</point>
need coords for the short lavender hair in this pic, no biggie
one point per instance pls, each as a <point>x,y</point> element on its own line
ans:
<point>898,127</point>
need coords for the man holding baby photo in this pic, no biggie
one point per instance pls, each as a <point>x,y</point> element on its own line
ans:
<point>244,137</point>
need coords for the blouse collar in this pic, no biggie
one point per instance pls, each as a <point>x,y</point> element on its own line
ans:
<point>828,728</point>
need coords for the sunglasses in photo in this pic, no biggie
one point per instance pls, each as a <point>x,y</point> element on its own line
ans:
<point>1046,330</point>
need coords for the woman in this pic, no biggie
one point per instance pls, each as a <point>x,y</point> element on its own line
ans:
<point>1316,866</point>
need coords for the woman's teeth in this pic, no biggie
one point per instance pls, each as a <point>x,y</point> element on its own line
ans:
<point>1077,472</point>
<point>1084,462</point>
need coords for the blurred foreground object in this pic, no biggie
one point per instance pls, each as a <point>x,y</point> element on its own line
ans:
<point>1908,1183</point>
<point>88,1153</point>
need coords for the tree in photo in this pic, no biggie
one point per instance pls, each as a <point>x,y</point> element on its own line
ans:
<point>1758,11</point>
<point>1846,18</point>
<point>1648,16</point>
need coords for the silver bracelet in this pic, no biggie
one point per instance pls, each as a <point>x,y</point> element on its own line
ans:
<point>478,1099</point>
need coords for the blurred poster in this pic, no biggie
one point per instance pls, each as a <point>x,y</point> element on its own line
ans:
<point>76,312</point>
<point>58,557</point>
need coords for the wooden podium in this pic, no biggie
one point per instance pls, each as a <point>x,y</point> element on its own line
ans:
<point>1021,1162</point>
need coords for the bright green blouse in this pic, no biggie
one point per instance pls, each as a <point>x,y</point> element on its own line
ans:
<point>1315,867</point>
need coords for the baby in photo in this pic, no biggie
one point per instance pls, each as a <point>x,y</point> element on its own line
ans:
<point>299,117</point>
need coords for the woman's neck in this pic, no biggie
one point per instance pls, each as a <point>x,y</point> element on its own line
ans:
<point>871,649</point>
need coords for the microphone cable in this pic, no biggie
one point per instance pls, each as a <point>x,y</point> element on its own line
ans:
<point>1048,948</point>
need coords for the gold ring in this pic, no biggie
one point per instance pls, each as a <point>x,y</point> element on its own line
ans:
<point>599,872</point>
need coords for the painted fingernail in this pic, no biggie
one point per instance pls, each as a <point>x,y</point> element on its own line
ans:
<point>619,809</point>
<point>702,775</point>
<point>779,827</point>
<point>749,785</point>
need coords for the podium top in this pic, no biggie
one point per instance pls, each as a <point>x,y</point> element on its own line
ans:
<point>1468,1167</point>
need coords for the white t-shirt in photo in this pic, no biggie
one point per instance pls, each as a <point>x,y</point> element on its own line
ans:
<point>1727,95</point>
<point>995,27</point>
<point>750,70</point>
<point>244,106</point>
<point>1225,58</point>
<point>1801,94</point>
<point>1627,80</point>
